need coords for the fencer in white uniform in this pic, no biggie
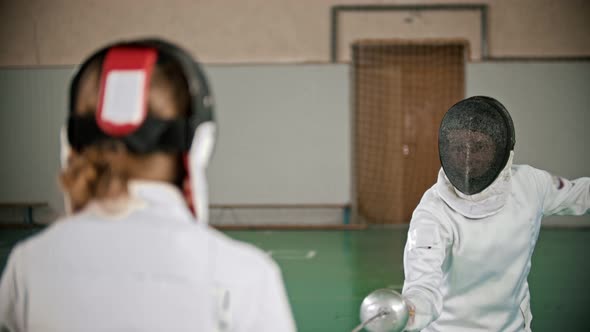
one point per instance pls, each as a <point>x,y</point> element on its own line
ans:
<point>471,238</point>
<point>142,261</point>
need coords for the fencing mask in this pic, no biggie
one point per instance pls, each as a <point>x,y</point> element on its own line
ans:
<point>475,139</point>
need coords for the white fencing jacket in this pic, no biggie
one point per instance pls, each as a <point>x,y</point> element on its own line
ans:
<point>467,261</point>
<point>149,268</point>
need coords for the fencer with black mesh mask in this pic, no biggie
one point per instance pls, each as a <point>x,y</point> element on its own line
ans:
<point>471,237</point>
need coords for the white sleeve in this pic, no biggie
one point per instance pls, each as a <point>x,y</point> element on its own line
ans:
<point>424,255</point>
<point>561,196</point>
<point>12,295</point>
<point>274,311</point>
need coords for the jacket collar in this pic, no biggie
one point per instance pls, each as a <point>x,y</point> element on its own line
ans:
<point>480,205</point>
<point>142,194</point>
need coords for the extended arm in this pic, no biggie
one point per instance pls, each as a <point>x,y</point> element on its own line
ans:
<point>424,255</point>
<point>562,196</point>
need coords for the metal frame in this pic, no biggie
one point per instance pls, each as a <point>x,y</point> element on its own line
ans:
<point>336,10</point>
<point>27,209</point>
<point>345,208</point>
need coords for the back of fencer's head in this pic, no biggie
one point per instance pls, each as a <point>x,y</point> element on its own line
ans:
<point>103,169</point>
<point>139,109</point>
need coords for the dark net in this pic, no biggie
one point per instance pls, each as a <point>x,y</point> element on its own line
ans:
<point>401,90</point>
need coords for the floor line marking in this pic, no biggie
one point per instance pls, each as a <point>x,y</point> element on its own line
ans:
<point>292,254</point>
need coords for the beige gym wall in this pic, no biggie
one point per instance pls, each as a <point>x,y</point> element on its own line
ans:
<point>61,32</point>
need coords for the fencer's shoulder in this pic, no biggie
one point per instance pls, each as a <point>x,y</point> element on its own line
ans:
<point>48,235</point>
<point>233,257</point>
<point>525,172</point>
<point>432,200</point>
<point>431,208</point>
<point>525,169</point>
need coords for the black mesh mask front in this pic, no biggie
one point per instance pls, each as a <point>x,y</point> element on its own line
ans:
<point>475,139</point>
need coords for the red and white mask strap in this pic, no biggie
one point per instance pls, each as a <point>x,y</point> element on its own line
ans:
<point>124,86</point>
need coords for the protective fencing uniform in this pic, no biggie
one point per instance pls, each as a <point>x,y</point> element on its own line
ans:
<point>149,267</point>
<point>471,238</point>
<point>467,261</point>
<point>147,262</point>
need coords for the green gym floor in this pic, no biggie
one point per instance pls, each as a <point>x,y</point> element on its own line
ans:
<point>327,273</point>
